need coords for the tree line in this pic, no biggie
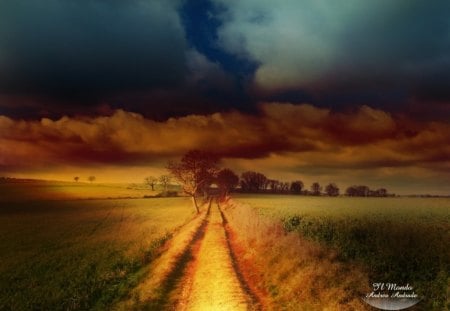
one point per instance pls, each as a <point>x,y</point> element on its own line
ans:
<point>255,182</point>
<point>199,174</point>
<point>163,180</point>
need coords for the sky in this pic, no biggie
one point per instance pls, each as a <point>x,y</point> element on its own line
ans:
<point>351,93</point>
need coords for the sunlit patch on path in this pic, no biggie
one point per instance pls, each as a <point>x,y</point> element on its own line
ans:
<point>211,282</point>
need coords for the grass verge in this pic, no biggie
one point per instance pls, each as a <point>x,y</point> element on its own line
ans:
<point>289,272</point>
<point>392,252</point>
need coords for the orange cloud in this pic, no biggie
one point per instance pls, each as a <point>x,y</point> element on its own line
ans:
<point>314,137</point>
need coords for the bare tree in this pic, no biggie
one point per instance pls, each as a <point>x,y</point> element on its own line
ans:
<point>194,171</point>
<point>151,181</point>
<point>227,180</point>
<point>164,180</point>
<point>76,178</point>
<point>332,190</point>
<point>92,178</point>
<point>316,188</point>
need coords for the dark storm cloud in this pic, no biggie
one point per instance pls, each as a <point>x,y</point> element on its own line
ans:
<point>86,49</point>
<point>358,51</point>
<point>174,58</point>
<point>65,57</point>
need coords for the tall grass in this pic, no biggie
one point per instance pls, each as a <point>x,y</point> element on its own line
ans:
<point>79,255</point>
<point>392,252</point>
<point>289,272</point>
<point>401,240</point>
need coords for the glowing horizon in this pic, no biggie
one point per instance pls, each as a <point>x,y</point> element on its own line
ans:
<point>286,142</point>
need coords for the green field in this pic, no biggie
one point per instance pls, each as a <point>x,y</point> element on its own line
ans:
<point>423,210</point>
<point>397,240</point>
<point>80,254</point>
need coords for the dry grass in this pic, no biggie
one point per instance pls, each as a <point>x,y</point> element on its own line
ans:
<point>83,254</point>
<point>151,292</point>
<point>405,240</point>
<point>290,273</point>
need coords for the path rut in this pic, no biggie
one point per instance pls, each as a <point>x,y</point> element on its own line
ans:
<point>211,281</point>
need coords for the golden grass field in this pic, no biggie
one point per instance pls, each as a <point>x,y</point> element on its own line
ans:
<point>53,191</point>
<point>342,244</point>
<point>59,254</point>
<point>80,246</point>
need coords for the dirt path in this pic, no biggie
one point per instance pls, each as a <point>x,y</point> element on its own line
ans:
<point>210,281</point>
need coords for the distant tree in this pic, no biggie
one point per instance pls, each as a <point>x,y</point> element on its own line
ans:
<point>382,192</point>
<point>273,185</point>
<point>332,190</point>
<point>284,187</point>
<point>151,181</point>
<point>359,191</point>
<point>253,181</point>
<point>297,186</point>
<point>260,182</point>
<point>351,191</point>
<point>362,191</point>
<point>316,188</point>
<point>227,180</point>
<point>164,180</point>
<point>76,178</point>
<point>92,178</point>
<point>195,169</point>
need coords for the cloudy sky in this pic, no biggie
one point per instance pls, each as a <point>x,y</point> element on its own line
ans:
<point>352,92</point>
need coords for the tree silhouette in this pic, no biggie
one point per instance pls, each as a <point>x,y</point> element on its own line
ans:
<point>92,178</point>
<point>253,181</point>
<point>195,170</point>
<point>76,178</point>
<point>151,181</point>
<point>164,180</point>
<point>316,188</point>
<point>284,187</point>
<point>297,186</point>
<point>227,180</point>
<point>351,191</point>
<point>364,191</point>
<point>382,192</point>
<point>273,184</point>
<point>332,190</point>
